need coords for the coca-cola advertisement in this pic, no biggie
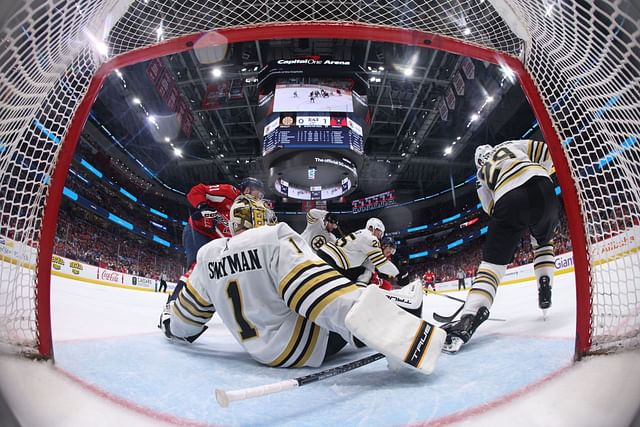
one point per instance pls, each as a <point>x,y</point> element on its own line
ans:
<point>110,276</point>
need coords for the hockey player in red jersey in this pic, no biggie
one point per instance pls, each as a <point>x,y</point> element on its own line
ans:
<point>210,220</point>
<point>429,280</point>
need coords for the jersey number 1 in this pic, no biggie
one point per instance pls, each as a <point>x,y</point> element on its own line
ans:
<point>246,329</point>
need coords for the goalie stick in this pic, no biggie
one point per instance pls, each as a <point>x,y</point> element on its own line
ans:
<point>225,397</point>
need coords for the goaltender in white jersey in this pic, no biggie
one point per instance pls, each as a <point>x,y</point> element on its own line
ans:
<point>285,306</point>
<point>320,224</point>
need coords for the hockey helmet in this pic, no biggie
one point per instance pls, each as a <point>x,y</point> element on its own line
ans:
<point>249,212</point>
<point>252,184</point>
<point>388,242</point>
<point>331,217</point>
<point>482,154</point>
<point>375,223</point>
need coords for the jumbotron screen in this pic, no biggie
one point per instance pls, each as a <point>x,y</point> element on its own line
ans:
<point>300,107</point>
<point>313,95</point>
<point>312,119</point>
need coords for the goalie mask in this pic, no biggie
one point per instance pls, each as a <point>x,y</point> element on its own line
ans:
<point>482,154</point>
<point>248,212</point>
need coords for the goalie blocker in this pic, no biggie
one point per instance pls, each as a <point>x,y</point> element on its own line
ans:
<point>400,336</point>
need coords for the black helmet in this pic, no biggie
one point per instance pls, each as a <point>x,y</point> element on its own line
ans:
<point>331,217</point>
<point>252,183</point>
<point>388,242</point>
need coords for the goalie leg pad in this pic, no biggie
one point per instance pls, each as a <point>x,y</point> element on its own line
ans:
<point>409,298</point>
<point>402,337</point>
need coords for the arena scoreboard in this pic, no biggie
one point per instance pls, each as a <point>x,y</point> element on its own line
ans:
<point>312,119</point>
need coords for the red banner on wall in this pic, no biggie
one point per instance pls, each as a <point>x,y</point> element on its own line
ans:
<point>154,69</point>
<point>376,201</point>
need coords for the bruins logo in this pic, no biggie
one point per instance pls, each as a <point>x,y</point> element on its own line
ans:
<point>318,241</point>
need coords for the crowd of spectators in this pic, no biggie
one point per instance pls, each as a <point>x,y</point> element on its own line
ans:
<point>115,203</point>
<point>84,237</point>
<point>468,256</point>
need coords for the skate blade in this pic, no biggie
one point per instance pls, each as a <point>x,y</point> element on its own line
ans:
<point>454,347</point>
<point>544,314</point>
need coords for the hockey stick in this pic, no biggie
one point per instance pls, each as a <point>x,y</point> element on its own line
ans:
<point>446,319</point>
<point>225,397</point>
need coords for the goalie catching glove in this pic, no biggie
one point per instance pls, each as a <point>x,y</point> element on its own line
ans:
<point>165,326</point>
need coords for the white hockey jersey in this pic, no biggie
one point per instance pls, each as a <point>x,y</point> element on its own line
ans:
<point>510,165</point>
<point>273,293</point>
<point>315,234</point>
<point>355,248</point>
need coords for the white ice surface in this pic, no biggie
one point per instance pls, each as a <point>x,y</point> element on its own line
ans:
<point>599,391</point>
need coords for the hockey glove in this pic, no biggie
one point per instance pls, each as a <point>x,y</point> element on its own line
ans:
<point>206,215</point>
<point>403,278</point>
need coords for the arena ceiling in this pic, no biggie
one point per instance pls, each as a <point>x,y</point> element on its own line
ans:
<point>405,147</point>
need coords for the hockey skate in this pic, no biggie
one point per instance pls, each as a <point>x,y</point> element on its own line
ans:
<point>460,332</point>
<point>544,293</point>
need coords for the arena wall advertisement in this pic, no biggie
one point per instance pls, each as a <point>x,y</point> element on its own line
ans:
<point>18,253</point>
<point>523,273</point>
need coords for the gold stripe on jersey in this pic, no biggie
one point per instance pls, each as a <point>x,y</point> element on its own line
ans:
<point>489,273</point>
<point>481,291</point>
<point>341,260</point>
<point>377,257</point>
<point>178,311</point>
<point>522,168</point>
<point>488,277</point>
<point>543,264</point>
<point>296,272</point>
<point>542,153</point>
<point>196,296</point>
<point>296,336</point>
<point>187,293</point>
<point>191,308</point>
<point>380,262</point>
<point>310,284</point>
<point>327,298</point>
<point>309,347</point>
<point>311,219</point>
<point>544,250</point>
<point>530,146</point>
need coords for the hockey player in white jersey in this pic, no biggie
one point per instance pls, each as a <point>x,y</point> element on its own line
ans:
<point>515,189</point>
<point>352,250</point>
<point>388,249</point>
<point>319,229</point>
<point>354,253</point>
<point>285,306</point>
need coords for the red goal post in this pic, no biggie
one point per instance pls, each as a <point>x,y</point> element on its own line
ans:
<point>576,62</point>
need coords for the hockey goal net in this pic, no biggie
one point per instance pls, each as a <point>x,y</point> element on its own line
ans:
<point>578,63</point>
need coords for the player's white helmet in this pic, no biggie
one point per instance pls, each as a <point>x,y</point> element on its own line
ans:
<point>375,223</point>
<point>248,212</point>
<point>482,154</point>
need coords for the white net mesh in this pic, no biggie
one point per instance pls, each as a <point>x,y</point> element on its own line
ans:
<point>584,58</point>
